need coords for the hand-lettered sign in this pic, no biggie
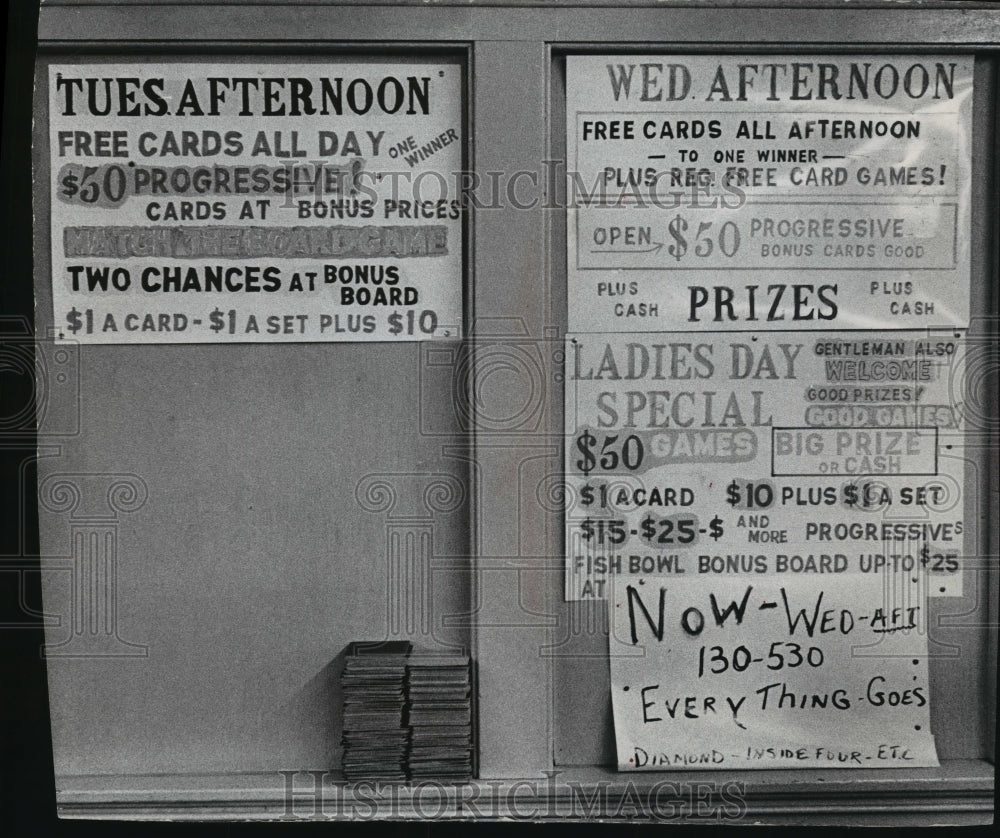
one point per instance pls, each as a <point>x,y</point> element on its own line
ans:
<point>279,202</point>
<point>768,192</point>
<point>794,672</point>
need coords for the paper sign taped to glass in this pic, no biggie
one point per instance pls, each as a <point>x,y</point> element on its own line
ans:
<point>768,192</point>
<point>783,454</point>
<point>278,202</point>
<point>794,672</point>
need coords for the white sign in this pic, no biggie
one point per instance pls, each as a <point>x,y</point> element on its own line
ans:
<point>785,454</point>
<point>768,192</point>
<point>278,202</point>
<point>801,672</point>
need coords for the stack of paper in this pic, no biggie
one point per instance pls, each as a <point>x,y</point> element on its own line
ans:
<point>375,735</point>
<point>440,717</point>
